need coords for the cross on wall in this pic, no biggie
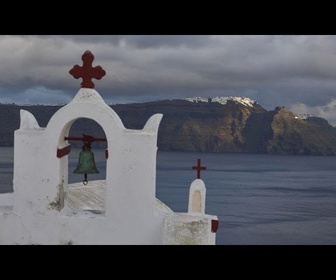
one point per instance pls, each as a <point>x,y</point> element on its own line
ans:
<point>87,72</point>
<point>198,167</point>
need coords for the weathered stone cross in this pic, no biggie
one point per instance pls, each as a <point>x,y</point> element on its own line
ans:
<point>198,167</point>
<point>87,72</point>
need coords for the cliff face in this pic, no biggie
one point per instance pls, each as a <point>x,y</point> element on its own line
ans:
<point>225,126</point>
<point>208,128</point>
<point>311,136</point>
<point>189,126</point>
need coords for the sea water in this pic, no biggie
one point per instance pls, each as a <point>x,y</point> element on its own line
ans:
<point>259,199</point>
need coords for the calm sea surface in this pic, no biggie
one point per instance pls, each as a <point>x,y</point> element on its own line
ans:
<point>259,199</point>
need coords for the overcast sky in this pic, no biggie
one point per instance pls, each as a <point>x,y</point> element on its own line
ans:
<point>298,72</point>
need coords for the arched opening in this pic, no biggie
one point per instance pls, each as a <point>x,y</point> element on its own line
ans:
<point>85,189</point>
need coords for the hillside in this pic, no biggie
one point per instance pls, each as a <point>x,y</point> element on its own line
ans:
<point>221,124</point>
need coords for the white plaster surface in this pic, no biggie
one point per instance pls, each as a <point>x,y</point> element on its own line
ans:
<point>87,197</point>
<point>197,194</point>
<point>28,121</point>
<point>122,209</point>
<point>186,229</point>
<point>92,195</point>
<point>6,200</point>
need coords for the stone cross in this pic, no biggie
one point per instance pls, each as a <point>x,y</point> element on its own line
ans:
<point>198,167</point>
<point>87,72</point>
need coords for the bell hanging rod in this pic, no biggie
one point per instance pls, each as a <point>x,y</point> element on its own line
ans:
<point>87,139</point>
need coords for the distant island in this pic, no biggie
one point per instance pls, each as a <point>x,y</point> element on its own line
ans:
<point>215,124</point>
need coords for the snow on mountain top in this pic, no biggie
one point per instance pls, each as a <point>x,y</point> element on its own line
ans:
<point>223,100</point>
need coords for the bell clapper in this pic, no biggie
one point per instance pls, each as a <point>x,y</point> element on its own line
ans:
<point>85,181</point>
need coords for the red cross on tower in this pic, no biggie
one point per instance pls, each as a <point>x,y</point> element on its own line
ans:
<point>198,167</point>
<point>87,72</point>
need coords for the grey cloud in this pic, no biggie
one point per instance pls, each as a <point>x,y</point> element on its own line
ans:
<point>274,70</point>
<point>167,41</point>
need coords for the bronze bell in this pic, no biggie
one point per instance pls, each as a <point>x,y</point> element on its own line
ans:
<point>86,163</point>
